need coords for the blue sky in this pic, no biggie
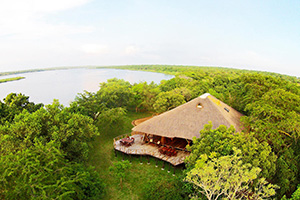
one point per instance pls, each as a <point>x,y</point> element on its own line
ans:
<point>254,34</point>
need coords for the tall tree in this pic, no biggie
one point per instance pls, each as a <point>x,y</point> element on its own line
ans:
<point>228,177</point>
<point>116,93</point>
<point>223,140</point>
<point>119,170</point>
<point>54,123</point>
<point>42,172</point>
<point>144,95</point>
<point>168,100</point>
<point>87,103</point>
<point>275,118</point>
<point>15,104</point>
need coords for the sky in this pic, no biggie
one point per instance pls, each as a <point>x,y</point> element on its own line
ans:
<point>245,34</point>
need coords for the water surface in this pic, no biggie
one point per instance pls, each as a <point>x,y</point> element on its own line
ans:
<point>64,85</point>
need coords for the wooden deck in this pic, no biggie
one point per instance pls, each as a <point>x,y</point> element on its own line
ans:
<point>141,148</point>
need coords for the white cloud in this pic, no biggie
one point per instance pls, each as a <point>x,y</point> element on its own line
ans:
<point>38,6</point>
<point>132,50</point>
<point>25,19</point>
<point>95,49</point>
<point>27,34</point>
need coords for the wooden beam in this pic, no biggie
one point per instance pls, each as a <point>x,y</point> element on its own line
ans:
<point>163,140</point>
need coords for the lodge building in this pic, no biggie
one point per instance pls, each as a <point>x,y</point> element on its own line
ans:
<point>165,136</point>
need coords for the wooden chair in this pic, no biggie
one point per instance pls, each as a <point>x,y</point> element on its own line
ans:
<point>163,150</point>
<point>169,152</point>
<point>132,138</point>
<point>174,152</point>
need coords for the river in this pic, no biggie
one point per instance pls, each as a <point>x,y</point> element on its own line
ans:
<point>64,85</point>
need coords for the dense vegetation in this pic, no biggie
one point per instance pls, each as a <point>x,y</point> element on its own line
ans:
<point>49,151</point>
<point>43,152</point>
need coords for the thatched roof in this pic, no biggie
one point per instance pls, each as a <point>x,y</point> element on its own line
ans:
<point>187,120</point>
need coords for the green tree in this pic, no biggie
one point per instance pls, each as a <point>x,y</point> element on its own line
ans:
<point>168,100</point>
<point>144,95</point>
<point>113,118</point>
<point>42,172</point>
<point>116,93</point>
<point>119,170</point>
<point>88,104</point>
<point>295,195</point>
<point>255,85</point>
<point>287,172</point>
<point>20,102</point>
<point>54,123</point>
<point>228,177</point>
<point>275,118</point>
<point>161,188</point>
<point>14,104</point>
<point>4,113</point>
<point>222,140</point>
<point>177,82</point>
<point>185,92</point>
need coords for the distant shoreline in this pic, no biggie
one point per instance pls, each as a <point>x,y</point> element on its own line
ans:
<point>37,70</point>
<point>55,69</point>
<point>11,79</point>
<point>149,68</point>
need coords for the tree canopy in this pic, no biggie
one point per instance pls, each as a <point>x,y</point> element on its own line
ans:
<point>43,153</point>
<point>37,139</point>
<point>228,177</point>
<point>223,140</point>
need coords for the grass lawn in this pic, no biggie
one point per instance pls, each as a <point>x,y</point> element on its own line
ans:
<point>102,157</point>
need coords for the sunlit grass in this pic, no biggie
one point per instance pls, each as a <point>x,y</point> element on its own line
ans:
<point>102,157</point>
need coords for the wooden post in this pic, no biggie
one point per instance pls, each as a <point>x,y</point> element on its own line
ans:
<point>169,167</point>
<point>156,160</point>
<point>174,171</point>
<point>123,157</point>
<point>148,160</point>
<point>141,162</point>
<point>163,140</point>
<point>116,155</point>
<point>130,158</point>
<point>163,167</point>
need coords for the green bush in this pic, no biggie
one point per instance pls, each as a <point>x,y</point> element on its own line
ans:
<point>164,189</point>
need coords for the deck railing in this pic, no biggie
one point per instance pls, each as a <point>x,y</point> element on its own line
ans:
<point>121,137</point>
<point>144,151</point>
<point>130,134</point>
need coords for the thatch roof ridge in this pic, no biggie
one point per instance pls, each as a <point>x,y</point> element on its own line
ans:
<point>186,120</point>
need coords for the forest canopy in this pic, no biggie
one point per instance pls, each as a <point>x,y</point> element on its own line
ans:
<point>37,140</point>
